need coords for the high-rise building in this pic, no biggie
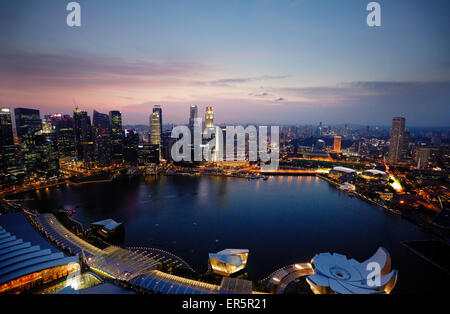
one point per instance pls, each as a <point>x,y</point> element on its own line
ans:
<point>148,154</point>
<point>422,156</point>
<point>337,144</point>
<point>83,136</point>
<point>102,140</point>
<point>65,137</point>
<point>130,146</point>
<point>115,118</point>
<point>8,162</point>
<point>399,141</point>
<point>209,117</point>
<point>28,123</point>
<point>193,114</point>
<point>156,127</point>
<point>47,149</point>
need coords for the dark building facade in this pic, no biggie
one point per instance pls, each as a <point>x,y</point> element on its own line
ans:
<point>399,141</point>
<point>115,118</point>
<point>130,147</point>
<point>8,162</point>
<point>65,137</point>
<point>148,154</point>
<point>28,123</point>
<point>102,140</point>
<point>83,136</point>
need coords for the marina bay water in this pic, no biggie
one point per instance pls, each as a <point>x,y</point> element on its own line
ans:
<point>282,220</point>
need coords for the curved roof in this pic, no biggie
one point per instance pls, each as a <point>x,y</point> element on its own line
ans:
<point>376,172</point>
<point>343,169</point>
<point>19,258</point>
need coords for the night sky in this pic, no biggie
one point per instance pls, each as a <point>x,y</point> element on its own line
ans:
<point>261,61</point>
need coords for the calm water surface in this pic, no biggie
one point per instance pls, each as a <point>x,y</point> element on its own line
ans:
<point>283,220</point>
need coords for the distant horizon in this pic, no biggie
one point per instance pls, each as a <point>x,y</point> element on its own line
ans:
<point>325,123</point>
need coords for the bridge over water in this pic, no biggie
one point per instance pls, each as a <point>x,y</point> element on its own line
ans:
<point>137,266</point>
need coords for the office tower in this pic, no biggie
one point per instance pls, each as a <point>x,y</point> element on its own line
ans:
<point>399,141</point>
<point>193,114</point>
<point>102,139</point>
<point>167,143</point>
<point>422,156</point>
<point>156,127</point>
<point>83,136</point>
<point>28,123</point>
<point>209,117</point>
<point>337,144</point>
<point>148,154</point>
<point>320,145</point>
<point>130,146</point>
<point>115,118</point>
<point>47,163</point>
<point>9,165</point>
<point>65,137</point>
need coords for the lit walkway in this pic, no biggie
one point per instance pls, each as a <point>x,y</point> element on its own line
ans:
<point>118,263</point>
<point>281,278</point>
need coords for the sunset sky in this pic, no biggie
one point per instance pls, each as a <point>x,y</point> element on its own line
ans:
<point>262,61</point>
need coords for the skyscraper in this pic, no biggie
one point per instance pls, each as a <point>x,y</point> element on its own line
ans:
<point>337,144</point>
<point>28,123</point>
<point>399,141</point>
<point>83,136</point>
<point>115,118</point>
<point>130,146</point>
<point>65,137</point>
<point>193,114</point>
<point>209,117</point>
<point>156,127</point>
<point>102,140</point>
<point>8,162</point>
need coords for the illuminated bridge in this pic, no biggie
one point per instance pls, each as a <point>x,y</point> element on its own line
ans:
<point>136,267</point>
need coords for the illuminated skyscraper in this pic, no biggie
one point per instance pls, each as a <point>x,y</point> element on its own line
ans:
<point>102,131</point>
<point>65,137</point>
<point>156,127</point>
<point>83,136</point>
<point>209,117</point>
<point>337,144</point>
<point>193,114</point>
<point>8,162</point>
<point>115,118</point>
<point>28,123</point>
<point>399,141</point>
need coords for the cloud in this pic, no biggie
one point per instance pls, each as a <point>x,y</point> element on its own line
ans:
<point>234,81</point>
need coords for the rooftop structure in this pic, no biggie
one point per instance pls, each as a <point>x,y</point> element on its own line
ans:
<point>374,174</point>
<point>343,169</point>
<point>335,274</point>
<point>228,261</point>
<point>25,265</point>
<point>108,227</point>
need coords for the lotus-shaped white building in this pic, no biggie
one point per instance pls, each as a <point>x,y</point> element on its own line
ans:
<point>334,273</point>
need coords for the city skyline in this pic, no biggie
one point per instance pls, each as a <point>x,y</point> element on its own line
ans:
<point>289,62</point>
